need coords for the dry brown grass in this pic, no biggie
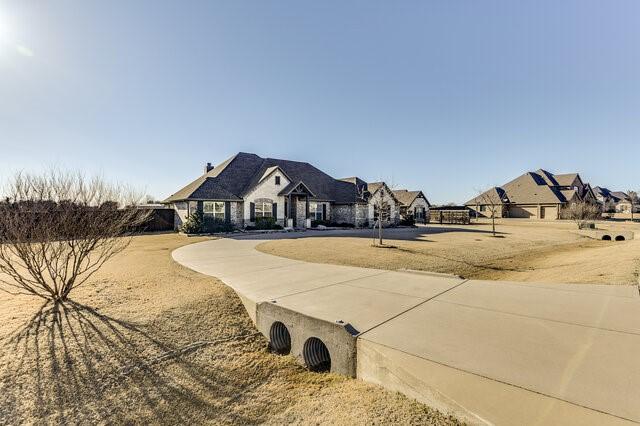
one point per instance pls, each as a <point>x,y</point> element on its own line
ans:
<point>525,251</point>
<point>152,342</point>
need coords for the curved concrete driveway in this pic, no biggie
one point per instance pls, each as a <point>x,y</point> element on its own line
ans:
<point>492,352</point>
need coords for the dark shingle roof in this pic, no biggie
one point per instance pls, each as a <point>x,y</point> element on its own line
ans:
<point>407,197</point>
<point>237,176</point>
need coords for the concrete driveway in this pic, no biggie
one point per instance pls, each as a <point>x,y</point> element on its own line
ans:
<point>491,352</point>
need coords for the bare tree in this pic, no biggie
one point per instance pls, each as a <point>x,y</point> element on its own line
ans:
<point>633,199</point>
<point>57,229</point>
<point>581,213</point>
<point>491,200</point>
<point>381,202</point>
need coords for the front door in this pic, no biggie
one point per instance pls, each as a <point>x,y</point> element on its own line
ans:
<point>293,211</point>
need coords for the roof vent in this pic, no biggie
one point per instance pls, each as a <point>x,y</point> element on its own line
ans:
<point>208,167</point>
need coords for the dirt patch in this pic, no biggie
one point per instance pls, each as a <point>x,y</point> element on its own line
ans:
<point>527,251</point>
<point>148,341</point>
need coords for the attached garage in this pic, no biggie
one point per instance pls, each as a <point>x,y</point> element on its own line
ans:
<point>524,212</point>
<point>549,212</point>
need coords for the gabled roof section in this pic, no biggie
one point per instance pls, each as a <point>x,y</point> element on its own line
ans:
<point>567,179</point>
<point>223,182</point>
<point>406,197</point>
<point>374,187</point>
<point>495,196</point>
<point>297,187</point>
<point>270,171</point>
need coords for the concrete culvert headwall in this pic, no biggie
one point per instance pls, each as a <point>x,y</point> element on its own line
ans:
<point>620,238</point>
<point>316,355</point>
<point>279,338</point>
<point>606,237</point>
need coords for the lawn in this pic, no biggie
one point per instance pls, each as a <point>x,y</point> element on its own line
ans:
<point>149,341</point>
<point>522,251</point>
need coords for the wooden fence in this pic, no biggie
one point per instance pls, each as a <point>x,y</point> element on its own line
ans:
<point>457,216</point>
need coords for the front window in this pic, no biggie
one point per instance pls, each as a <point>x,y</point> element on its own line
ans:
<point>277,180</point>
<point>315,211</point>
<point>214,208</point>
<point>264,209</point>
<point>386,212</point>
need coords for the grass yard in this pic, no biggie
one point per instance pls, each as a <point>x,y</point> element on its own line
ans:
<point>148,341</point>
<point>523,251</point>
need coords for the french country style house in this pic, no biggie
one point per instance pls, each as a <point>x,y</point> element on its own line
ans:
<point>247,187</point>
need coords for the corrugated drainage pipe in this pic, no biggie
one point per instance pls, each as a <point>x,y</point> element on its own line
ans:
<point>316,355</point>
<point>280,339</point>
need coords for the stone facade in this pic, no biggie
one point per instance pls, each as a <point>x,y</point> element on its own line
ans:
<point>394,208</point>
<point>343,213</point>
<point>417,205</point>
<point>361,218</point>
<point>267,189</point>
<point>237,213</point>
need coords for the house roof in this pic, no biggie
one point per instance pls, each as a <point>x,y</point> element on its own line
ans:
<point>540,187</point>
<point>495,195</point>
<point>293,186</point>
<point>238,175</point>
<point>615,196</point>
<point>566,179</point>
<point>408,197</point>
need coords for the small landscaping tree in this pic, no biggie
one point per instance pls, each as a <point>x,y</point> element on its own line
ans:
<point>493,202</point>
<point>581,213</point>
<point>381,202</point>
<point>633,199</point>
<point>57,229</point>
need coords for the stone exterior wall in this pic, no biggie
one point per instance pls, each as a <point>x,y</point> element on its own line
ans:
<point>362,211</point>
<point>343,213</point>
<point>237,213</point>
<point>269,190</point>
<point>394,209</point>
<point>301,212</point>
<point>419,203</point>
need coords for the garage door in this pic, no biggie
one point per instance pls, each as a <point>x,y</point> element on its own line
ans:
<point>527,212</point>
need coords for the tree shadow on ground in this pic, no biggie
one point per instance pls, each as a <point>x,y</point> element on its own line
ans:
<point>72,364</point>
<point>477,265</point>
<point>408,234</point>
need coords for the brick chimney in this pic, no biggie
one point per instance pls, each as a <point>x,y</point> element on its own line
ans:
<point>208,167</point>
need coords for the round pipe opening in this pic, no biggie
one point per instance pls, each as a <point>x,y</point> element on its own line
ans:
<point>316,355</point>
<point>620,238</point>
<point>279,338</point>
<point>606,237</point>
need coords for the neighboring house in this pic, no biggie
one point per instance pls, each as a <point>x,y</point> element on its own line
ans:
<point>614,201</point>
<point>413,204</point>
<point>246,187</point>
<point>534,195</point>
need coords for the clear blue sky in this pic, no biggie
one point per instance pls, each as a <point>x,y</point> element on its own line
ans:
<point>444,96</point>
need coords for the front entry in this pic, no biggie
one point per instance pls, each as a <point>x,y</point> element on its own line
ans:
<point>293,210</point>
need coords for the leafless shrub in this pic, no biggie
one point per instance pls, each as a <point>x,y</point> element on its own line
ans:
<point>381,202</point>
<point>492,200</point>
<point>582,213</point>
<point>633,200</point>
<point>57,229</point>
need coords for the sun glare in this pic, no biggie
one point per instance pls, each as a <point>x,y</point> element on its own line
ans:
<point>4,29</point>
